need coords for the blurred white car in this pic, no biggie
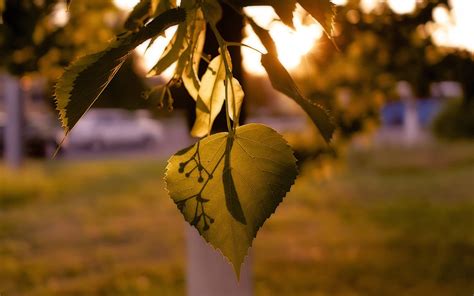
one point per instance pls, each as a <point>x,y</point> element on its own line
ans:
<point>101,128</point>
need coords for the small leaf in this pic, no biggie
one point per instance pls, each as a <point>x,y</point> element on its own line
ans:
<point>323,11</point>
<point>139,15</point>
<point>284,9</point>
<point>190,78</point>
<point>226,186</point>
<point>84,80</point>
<point>210,98</point>
<point>172,52</point>
<point>235,94</point>
<point>281,81</point>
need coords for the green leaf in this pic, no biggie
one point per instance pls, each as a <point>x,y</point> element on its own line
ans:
<point>281,81</point>
<point>322,11</point>
<point>142,12</point>
<point>235,95</point>
<point>211,97</point>
<point>172,52</point>
<point>84,80</point>
<point>190,77</point>
<point>226,186</point>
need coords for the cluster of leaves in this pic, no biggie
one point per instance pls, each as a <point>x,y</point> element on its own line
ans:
<point>227,184</point>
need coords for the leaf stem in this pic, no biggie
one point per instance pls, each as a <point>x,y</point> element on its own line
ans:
<point>243,45</point>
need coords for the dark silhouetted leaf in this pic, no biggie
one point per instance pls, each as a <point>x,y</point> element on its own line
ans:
<point>226,186</point>
<point>281,80</point>
<point>322,11</point>
<point>84,81</point>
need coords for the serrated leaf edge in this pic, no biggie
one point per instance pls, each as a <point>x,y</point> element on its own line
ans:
<point>235,268</point>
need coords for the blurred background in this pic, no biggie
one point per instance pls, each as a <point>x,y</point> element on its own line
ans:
<point>388,209</point>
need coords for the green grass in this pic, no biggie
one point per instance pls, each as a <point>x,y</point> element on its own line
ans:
<point>391,222</point>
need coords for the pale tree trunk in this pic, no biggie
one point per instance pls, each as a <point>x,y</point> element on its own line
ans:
<point>13,136</point>
<point>411,125</point>
<point>208,272</point>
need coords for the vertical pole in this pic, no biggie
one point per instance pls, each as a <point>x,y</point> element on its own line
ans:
<point>411,125</point>
<point>209,274</point>
<point>13,141</point>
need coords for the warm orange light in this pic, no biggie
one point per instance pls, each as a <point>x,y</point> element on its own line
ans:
<point>292,45</point>
<point>126,4</point>
<point>454,28</point>
<point>151,53</point>
<point>402,6</point>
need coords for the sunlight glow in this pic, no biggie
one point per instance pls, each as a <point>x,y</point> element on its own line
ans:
<point>455,28</point>
<point>126,4</point>
<point>60,16</point>
<point>150,56</point>
<point>402,6</point>
<point>339,2</point>
<point>292,45</point>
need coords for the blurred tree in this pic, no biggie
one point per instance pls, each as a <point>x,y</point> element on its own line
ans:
<point>39,36</point>
<point>42,37</point>
<point>377,50</point>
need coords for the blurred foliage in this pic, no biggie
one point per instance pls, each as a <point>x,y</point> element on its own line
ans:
<point>455,121</point>
<point>35,35</point>
<point>98,228</point>
<point>41,37</point>
<point>377,50</point>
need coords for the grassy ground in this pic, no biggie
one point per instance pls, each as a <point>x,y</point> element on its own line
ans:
<point>393,222</point>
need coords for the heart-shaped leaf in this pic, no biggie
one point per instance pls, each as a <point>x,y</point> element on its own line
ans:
<point>227,185</point>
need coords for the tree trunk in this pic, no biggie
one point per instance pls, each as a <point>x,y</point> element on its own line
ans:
<point>208,273</point>
<point>13,137</point>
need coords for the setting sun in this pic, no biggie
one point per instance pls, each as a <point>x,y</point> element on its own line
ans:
<point>292,45</point>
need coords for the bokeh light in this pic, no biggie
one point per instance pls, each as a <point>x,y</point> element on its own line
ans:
<point>126,4</point>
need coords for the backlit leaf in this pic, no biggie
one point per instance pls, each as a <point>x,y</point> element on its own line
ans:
<point>85,79</point>
<point>235,94</point>
<point>143,11</point>
<point>322,11</point>
<point>172,52</point>
<point>210,98</point>
<point>284,9</point>
<point>190,78</point>
<point>281,80</point>
<point>227,186</point>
